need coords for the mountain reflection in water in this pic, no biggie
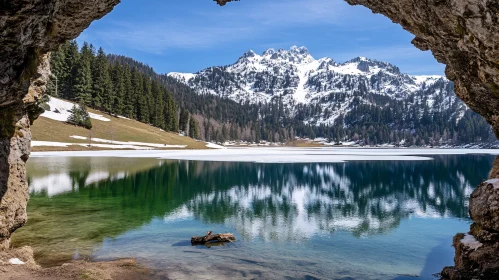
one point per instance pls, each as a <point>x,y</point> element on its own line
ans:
<point>261,202</point>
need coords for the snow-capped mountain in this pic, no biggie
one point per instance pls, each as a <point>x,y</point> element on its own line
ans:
<point>295,77</point>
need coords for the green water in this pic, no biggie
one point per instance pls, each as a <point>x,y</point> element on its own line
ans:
<point>355,220</point>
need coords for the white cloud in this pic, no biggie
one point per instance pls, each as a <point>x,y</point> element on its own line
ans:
<point>204,30</point>
<point>159,37</point>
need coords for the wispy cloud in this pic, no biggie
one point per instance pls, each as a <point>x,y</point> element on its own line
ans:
<point>205,30</point>
<point>159,37</point>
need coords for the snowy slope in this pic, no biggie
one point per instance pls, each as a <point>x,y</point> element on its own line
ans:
<point>60,110</point>
<point>295,77</point>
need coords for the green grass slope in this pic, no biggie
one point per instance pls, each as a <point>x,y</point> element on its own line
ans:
<point>118,129</point>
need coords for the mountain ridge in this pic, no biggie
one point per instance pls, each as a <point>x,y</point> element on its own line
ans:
<point>296,77</point>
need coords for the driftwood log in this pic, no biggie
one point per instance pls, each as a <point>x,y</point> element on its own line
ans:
<point>209,237</point>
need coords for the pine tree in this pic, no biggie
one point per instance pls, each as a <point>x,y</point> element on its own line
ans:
<point>184,119</point>
<point>82,85</point>
<point>158,114</point>
<point>225,134</point>
<point>102,89</point>
<point>71,58</point>
<point>144,114</point>
<point>193,128</point>
<point>128,103</point>
<point>59,71</point>
<point>170,113</point>
<point>80,117</point>
<point>207,135</point>
<point>136,92</point>
<point>119,86</point>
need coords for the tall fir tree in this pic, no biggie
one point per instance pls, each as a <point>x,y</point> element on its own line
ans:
<point>193,128</point>
<point>59,71</point>
<point>71,58</point>
<point>128,103</point>
<point>171,113</point>
<point>183,119</point>
<point>82,84</point>
<point>102,86</point>
<point>119,86</point>
<point>225,134</point>
<point>144,113</point>
<point>158,106</point>
<point>136,91</point>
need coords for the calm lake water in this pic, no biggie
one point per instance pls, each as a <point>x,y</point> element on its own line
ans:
<point>354,220</point>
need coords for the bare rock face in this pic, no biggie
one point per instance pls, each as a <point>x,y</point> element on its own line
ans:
<point>477,253</point>
<point>29,30</point>
<point>484,205</point>
<point>474,259</point>
<point>14,152</point>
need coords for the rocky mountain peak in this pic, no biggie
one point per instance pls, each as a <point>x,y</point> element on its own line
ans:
<point>269,52</point>
<point>297,77</point>
<point>299,50</point>
<point>249,53</point>
<point>368,65</point>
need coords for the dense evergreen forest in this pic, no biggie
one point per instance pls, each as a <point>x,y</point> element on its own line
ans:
<point>122,86</point>
<point>87,77</point>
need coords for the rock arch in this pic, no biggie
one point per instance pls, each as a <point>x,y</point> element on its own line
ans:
<point>463,34</point>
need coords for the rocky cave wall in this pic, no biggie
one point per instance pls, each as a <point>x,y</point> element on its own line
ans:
<point>29,30</point>
<point>463,34</point>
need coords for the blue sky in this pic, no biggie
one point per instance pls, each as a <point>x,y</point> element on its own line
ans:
<point>189,35</point>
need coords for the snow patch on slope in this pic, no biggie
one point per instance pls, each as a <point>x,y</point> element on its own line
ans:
<point>93,145</point>
<point>153,145</point>
<point>182,77</point>
<point>60,110</point>
<point>215,146</point>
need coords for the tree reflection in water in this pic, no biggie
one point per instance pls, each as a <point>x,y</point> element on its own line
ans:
<point>271,202</point>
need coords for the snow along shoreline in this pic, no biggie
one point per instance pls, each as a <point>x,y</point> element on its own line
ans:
<point>277,155</point>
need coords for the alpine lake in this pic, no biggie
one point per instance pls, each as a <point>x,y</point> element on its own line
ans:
<point>347,220</point>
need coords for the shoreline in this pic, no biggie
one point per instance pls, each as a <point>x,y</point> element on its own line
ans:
<point>277,154</point>
<point>25,267</point>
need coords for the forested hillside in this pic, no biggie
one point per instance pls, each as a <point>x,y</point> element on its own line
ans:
<point>346,108</point>
<point>87,77</point>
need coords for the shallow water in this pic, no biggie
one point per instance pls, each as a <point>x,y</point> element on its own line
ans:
<point>353,220</point>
